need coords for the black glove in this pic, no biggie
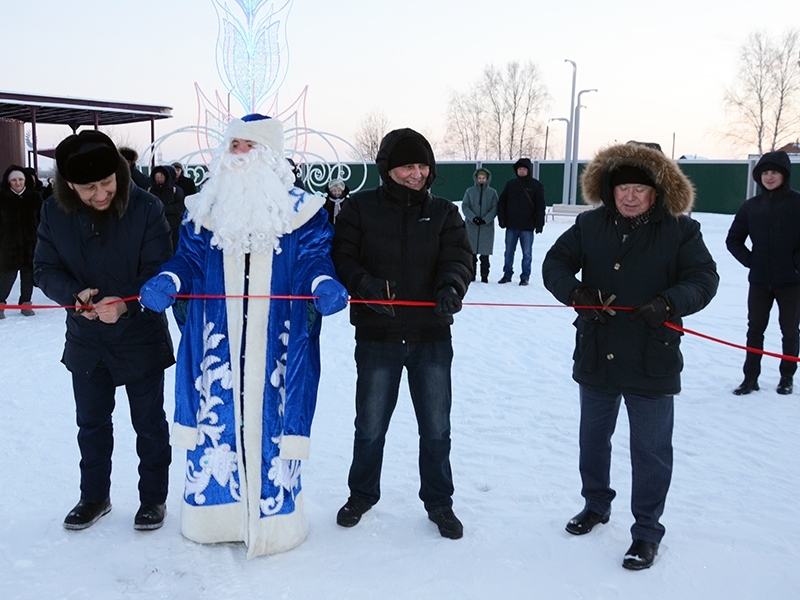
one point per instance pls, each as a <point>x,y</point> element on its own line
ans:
<point>372,288</point>
<point>539,229</point>
<point>654,311</point>
<point>478,221</point>
<point>448,302</point>
<point>583,295</point>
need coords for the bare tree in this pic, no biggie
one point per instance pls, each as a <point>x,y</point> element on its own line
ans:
<point>764,101</point>
<point>465,116</point>
<point>370,132</point>
<point>498,117</point>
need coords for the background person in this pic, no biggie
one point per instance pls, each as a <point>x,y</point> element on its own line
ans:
<point>480,208</point>
<point>771,220</point>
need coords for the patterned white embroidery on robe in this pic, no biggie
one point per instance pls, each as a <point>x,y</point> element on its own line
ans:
<point>218,461</point>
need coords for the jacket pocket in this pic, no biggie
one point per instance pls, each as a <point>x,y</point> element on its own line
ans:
<point>662,354</point>
<point>585,354</point>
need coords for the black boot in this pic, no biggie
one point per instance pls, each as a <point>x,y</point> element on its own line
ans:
<point>585,521</point>
<point>785,386</point>
<point>86,513</point>
<point>640,555</point>
<point>149,516</point>
<point>448,523</point>
<point>747,386</point>
<point>350,514</point>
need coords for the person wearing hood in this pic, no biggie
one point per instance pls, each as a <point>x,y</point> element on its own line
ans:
<point>187,184</point>
<point>336,195</point>
<point>100,238</point>
<point>162,186</point>
<point>131,156</point>
<point>399,241</point>
<point>480,208</point>
<point>637,250</point>
<point>520,211</point>
<point>19,217</point>
<point>771,220</point>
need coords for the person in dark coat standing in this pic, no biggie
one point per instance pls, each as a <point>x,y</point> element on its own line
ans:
<point>520,211</point>
<point>480,208</point>
<point>19,217</point>
<point>636,249</point>
<point>182,181</point>
<point>131,156</point>
<point>399,241</point>
<point>772,222</point>
<point>163,187</point>
<point>100,239</point>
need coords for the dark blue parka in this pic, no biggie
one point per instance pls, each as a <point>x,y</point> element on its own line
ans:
<point>116,252</point>
<point>522,204</point>
<point>772,222</point>
<point>665,255</point>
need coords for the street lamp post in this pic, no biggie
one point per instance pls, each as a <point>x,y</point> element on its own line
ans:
<point>573,188</point>
<point>568,150</point>
<point>547,133</point>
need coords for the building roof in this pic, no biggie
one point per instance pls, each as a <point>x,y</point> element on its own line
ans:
<point>76,112</point>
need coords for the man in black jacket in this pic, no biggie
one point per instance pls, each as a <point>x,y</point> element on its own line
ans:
<point>399,241</point>
<point>772,221</point>
<point>636,250</point>
<point>100,238</point>
<point>520,211</point>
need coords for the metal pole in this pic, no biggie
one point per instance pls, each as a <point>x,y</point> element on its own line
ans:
<point>565,197</point>
<point>35,143</point>
<point>565,155</point>
<point>573,188</point>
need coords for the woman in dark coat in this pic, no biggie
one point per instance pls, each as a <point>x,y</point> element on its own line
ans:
<point>163,187</point>
<point>480,208</point>
<point>19,217</point>
<point>636,250</point>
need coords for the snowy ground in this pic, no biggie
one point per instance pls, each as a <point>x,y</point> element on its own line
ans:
<point>731,518</point>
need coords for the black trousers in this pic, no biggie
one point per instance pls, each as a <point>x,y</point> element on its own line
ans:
<point>94,403</point>
<point>484,265</point>
<point>759,304</point>
<point>7,279</point>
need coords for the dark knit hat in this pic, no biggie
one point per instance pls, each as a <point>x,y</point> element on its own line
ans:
<point>86,157</point>
<point>630,174</point>
<point>409,150</point>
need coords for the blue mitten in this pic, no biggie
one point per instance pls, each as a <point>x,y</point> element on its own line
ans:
<point>158,294</point>
<point>331,297</point>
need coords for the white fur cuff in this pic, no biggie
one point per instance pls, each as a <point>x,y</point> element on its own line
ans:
<point>175,279</point>
<point>183,436</point>
<point>319,280</point>
<point>295,447</point>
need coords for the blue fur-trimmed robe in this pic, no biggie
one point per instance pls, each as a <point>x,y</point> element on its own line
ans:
<point>244,449</point>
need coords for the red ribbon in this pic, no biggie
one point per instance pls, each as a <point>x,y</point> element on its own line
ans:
<point>417,303</point>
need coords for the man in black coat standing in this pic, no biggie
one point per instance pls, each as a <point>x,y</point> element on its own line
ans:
<point>100,239</point>
<point>400,241</point>
<point>636,250</point>
<point>772,222</point>
<point>520,211</point>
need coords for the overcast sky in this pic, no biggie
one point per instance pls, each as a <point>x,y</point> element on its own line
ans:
<point>660,68</point>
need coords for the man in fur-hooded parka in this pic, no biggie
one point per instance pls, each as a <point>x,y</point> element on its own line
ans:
<point>19,217</point>
<point>638,250</point>
<point>100,238</point>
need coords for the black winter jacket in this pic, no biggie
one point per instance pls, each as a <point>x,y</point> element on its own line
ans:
<point>772,222</point>
<point>522,204</point>
<point>19,218</point>
<point>115,253</point>
<point>666,256</point>
<point>416,240</point>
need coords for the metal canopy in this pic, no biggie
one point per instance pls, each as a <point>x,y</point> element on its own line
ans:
<point>76,112</point>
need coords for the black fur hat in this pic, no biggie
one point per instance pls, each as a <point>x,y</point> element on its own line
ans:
<point>86,157</point>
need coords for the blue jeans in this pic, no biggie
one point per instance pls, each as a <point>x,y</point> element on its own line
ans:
<point>380,366</point>
<point>525,239</point>
<point>651,420</point>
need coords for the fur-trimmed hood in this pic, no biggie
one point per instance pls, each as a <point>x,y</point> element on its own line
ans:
<point>675,191</point>
<point>69,202</point>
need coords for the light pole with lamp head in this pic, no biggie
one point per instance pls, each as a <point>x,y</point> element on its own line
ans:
<point>547,133</point>
<point>573,188</point>
<point>568,150</point>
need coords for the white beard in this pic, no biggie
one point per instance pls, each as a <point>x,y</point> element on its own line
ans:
<point>246,203</point>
